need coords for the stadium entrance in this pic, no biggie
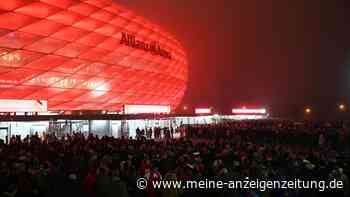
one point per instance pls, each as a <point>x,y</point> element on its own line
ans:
<point>102,125</point>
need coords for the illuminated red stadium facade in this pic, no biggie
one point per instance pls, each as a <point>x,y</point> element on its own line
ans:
<point>87,55</point>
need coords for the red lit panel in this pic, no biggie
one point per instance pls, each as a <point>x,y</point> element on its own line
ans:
<point>13,21</point>
<point>61,3</point>
<point>67,106</point>
<point>72,53</point>
<point>83,9</point>
<point>4,32</point>
<point>117,98</point>
<point>110,44</point>
<point>46,62</point>
<point>99,4</point>
<point>57,105</point>
<point>69,95</point>
<point>107,30</point>
<point>45,79</point>
<point>98,96</point>
<point>113,58</point>
<point>102,15</point>
<point>113,8</point>
<point>44,93</point>
<point>69,34</point>
<point>119,22</point>
<point>72,50</point>
<point>71,66</point>
<point>92,39</point>
<point>37,9</point>
<point>92,69</point>
<point>42,28</point>
<point>94,54</point>
<point>18,92</point>
<point>94,84</point>
<point>9,5</point>
<point>18,39</point>
<point>46,45</point>
<point>111,72</point>
<point>18,76</point>
<point>72,81</point>
<point>5,70</point>
<point>66,17</point>
<point>88,24</point>
<point>18,58</point>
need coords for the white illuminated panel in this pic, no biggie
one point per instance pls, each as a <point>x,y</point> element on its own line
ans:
<point>249,111</point>
<point>146,109</point>
<point>11,105</point>
<point>203,111</point>
<point>49,113</point>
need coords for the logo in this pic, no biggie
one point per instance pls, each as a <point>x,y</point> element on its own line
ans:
<point>152,47</point>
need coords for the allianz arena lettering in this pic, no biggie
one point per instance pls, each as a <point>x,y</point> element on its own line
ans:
<point>153,47</point>
<point>87,55</point>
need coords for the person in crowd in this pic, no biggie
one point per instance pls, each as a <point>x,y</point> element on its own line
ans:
<point>149,132</point>
<point>79,165</point>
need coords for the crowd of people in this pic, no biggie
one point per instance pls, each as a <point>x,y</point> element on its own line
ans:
<point>156,133</point>
<point>76,165</point>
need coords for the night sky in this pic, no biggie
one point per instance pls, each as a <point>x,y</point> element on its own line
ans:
<point>281,54</point>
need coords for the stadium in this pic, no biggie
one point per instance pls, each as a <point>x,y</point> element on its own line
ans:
<point>247,101</point>
<point>87,55</point>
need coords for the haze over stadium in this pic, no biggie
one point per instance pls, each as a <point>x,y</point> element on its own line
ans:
<point>282,54</point>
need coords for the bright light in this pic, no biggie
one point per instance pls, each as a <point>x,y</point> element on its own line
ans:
<point>248,117</point>
<point>185,107</point>
<point>112,112</point>
<point>100,90</point>
<point>342,107</point>
<point>308,110</point>
<point>146,109</point>
<point>203,111</point>
<point>49,113</point>
<point>249,111</point>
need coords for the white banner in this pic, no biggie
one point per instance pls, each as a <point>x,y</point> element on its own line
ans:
<point>146,109</point>
<point>12,105</point>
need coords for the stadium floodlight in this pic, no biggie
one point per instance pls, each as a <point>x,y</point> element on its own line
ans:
<point>249,111</point>
<point>147,109</point>
<point>202,111</point>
